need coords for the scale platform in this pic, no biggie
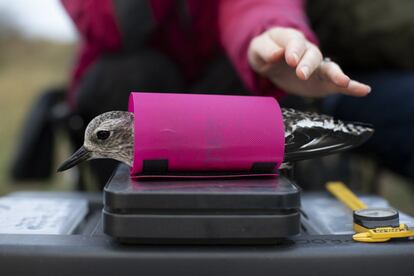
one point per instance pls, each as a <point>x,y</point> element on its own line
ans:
<point>191,211</point>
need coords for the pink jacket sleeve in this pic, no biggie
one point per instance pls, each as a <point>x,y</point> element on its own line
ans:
<point>240,21</point>
<point>97,26</point>
<point>95,21</point>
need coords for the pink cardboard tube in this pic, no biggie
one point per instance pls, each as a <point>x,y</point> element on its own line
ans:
<point>206,135</point>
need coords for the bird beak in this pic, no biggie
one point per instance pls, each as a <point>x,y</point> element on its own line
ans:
<point>80,155</point>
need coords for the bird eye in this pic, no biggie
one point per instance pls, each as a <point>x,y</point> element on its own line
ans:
<point>103,134</point>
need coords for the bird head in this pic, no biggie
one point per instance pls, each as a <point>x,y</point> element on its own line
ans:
<point>109,135</point>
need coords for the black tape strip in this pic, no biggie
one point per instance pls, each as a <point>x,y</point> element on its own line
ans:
<point>263,167</point>
<point>160,167</point>
<point>155,167</point>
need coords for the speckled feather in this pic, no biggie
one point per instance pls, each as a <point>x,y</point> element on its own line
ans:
<point>294,119</point>
<point>310,135</point>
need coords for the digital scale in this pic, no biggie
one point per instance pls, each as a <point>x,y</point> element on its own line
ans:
<point>191,211</point>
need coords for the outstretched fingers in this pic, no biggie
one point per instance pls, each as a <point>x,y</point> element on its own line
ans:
<point>285,56</point>
<point>330,71</point>
<point>300,54</point>
<point>293,41</point>
<point>339,82</point>
<point>310,61</point>
<point>357,89</point>
<point>295,49</point>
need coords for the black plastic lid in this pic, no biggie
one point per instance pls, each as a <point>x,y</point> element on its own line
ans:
<point>260,193</point>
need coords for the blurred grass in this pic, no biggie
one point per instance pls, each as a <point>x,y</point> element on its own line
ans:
<point>27,68</point>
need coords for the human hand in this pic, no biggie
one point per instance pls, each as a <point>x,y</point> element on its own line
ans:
<point>291,62</point>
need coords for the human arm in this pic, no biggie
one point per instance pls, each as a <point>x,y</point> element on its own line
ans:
<point>248,30</point>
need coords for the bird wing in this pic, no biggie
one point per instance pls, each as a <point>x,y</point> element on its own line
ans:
<point>310,135</point>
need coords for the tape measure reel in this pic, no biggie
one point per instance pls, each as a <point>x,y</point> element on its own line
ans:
<point>371,218</point>
<point>370,224</point>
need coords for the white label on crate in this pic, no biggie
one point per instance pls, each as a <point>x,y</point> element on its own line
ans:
<point>31,215</point>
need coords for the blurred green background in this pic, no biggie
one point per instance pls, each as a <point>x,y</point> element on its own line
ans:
<point>37,47</point>
<point>37,44</point>
<point>27,67</point>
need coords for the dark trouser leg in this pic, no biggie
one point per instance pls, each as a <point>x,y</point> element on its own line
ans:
<point>219,78</point>
<point>390,108</point>
<point>109,82</point>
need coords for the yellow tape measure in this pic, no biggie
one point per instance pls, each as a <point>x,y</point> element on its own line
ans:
<point>370,224</point>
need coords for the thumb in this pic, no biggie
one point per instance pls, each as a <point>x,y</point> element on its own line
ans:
<point>263,52</point>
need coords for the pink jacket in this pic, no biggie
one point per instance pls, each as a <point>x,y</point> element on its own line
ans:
<point>211,27</point>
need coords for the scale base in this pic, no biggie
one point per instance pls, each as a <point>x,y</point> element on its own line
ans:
<point>188,211</point>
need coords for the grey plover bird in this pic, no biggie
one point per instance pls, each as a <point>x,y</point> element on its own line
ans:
<point>307,135</point>
<point>109,135</point>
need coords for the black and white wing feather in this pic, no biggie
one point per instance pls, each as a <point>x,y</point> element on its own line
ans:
<point>310,135</point>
